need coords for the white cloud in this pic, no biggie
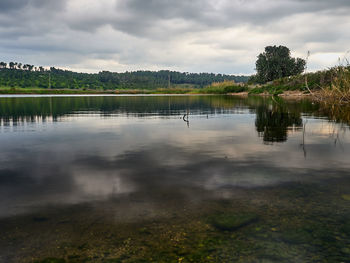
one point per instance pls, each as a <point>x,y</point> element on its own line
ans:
<point>212,36</point>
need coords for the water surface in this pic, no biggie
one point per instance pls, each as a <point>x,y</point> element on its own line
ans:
<point>173,179</point>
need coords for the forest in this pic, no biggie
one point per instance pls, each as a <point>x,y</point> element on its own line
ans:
<point>18,75</point>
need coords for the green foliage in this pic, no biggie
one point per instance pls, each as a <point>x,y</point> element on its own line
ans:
<point>224,87</point>
<point>331,84</point>
<point>276,62</point>
<point>235,89</point>
<point>338,91</point>
<point>220,90</point>
<point>207,90</point>
<point>28,76</point>
<point>257,90</point>
<point>269,89</point>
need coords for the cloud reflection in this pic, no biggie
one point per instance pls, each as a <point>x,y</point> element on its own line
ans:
<point>149,162</point>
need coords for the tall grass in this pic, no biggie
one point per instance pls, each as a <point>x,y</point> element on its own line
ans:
<point>331,85</point>
<point>216,89</point>
<point>339,89</point>
<point>224,87</point>
<point>223,84</point>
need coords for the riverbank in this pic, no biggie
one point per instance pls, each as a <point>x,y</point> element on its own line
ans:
<point>215,89</point>
<point>287,94</point>
<point>331,85</point>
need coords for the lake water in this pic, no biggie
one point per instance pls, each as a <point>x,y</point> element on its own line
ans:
<point>173,179</point>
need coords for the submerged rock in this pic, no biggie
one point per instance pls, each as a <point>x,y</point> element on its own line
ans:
<point>231,221</point>
<point>296,236</point>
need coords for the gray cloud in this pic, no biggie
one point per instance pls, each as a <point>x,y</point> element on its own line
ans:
<point>218,36</point>
<point>18,5</point>
<point>9,5</point>
<point>141,15</point>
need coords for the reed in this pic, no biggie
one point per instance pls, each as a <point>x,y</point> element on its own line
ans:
<point>338,92</point>
<point>223,84</point>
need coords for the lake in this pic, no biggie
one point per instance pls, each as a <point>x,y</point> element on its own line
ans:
<point>173,179</point>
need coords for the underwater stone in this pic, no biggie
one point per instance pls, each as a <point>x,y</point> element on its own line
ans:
<point>231,222</point>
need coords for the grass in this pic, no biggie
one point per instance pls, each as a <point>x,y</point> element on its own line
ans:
<point>221,90</point>
<point>217,88</point>
<point>268,89</point>
<point>224,87</point>
<point>338,92</point>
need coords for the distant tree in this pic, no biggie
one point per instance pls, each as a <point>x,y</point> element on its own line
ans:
<point>30,67</point>
<point>107,80</point>
<point>11,65</point>
<point>275,62</point>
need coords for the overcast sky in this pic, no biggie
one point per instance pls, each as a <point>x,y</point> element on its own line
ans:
<point>221,36</point>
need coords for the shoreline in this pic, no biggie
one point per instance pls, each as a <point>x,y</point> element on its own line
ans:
<point>76,93</point>
<point>27,95</point>
<point>145,92</point>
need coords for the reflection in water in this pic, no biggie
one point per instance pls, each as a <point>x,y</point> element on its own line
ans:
<point>92,179</point>
<point>272,123</point>
<point>22,109</point>
<point>272,119</point>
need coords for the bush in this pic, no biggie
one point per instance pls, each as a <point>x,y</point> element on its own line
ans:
<point>235,89</point>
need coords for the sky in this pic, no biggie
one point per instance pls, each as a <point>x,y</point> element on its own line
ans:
<point>219,36</point>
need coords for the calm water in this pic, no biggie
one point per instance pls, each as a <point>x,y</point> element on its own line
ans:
<point>131,179</point>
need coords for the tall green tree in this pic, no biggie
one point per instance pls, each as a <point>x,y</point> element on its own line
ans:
<point>276,62</point>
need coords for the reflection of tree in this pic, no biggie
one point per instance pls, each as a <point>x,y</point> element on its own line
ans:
<point>273,122</point>
<point>32,109</point>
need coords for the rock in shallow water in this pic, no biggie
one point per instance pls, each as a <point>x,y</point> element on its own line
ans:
<point>232,222</point>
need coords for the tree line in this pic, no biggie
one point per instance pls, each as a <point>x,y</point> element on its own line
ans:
<point>16,65</point>
<point>274,63</point>
<point>15,74</point>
